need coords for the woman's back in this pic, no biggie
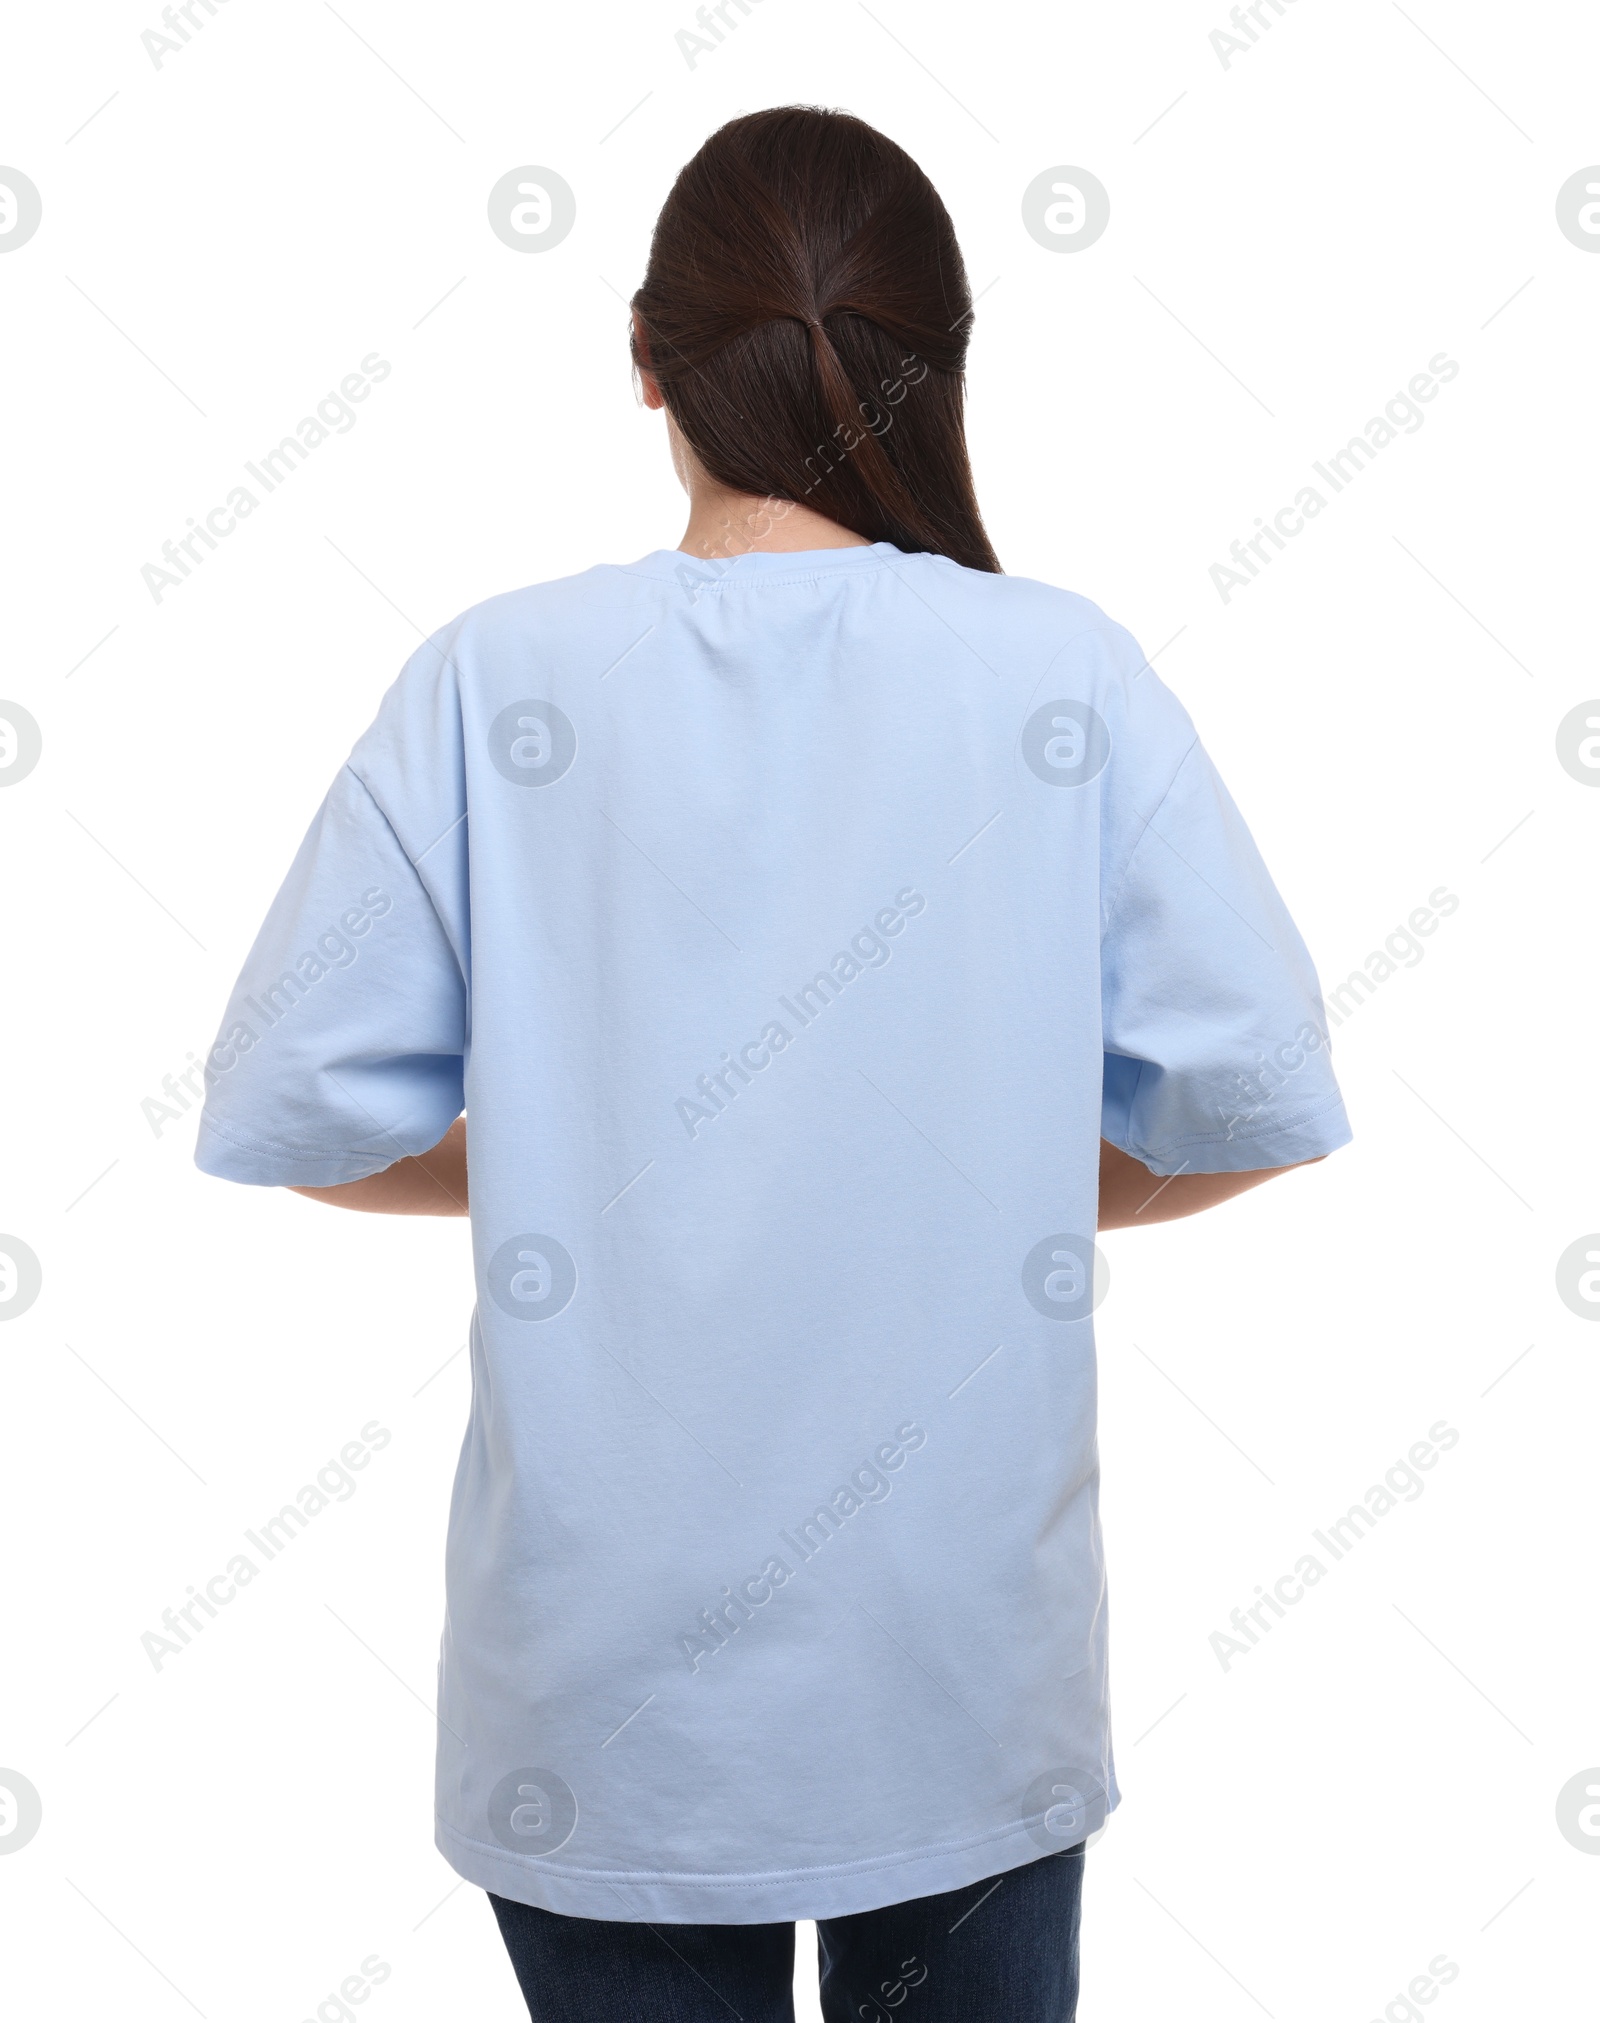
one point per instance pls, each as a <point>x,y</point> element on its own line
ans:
<point>792,929</point>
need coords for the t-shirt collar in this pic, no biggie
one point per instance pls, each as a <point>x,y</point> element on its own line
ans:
<point>796,565</point>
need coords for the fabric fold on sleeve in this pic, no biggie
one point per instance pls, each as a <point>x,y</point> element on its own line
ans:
<point>342,1046</point>
<point>1216,1043</point>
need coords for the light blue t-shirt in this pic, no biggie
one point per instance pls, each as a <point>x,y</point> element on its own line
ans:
<point>791,930</point>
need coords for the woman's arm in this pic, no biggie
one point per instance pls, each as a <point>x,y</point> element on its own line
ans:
<point>432,1183</point>
<point>435,1183</point>
<point>1131,1195</point>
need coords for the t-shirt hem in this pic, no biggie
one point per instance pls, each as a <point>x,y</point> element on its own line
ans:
<point>736,1899</point>
<point>1248,1150</point>
<point>225,1157</point>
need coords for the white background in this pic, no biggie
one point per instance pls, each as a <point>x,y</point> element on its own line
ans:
<point>1292,237</point>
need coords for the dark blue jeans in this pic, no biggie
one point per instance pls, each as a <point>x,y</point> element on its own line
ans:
<point>1004,1950</point>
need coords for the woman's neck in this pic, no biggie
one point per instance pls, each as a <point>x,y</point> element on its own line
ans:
<point>724,524</point>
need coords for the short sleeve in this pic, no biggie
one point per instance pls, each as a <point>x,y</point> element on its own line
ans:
<point>1216,1044</point>
<point>342,1047</point>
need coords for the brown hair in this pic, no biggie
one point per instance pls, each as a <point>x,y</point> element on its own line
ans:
<point>805,314</point>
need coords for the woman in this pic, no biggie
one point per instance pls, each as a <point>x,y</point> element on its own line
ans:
<point>824,935</point>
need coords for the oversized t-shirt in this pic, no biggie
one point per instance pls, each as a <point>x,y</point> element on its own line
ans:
<point>791,930</point>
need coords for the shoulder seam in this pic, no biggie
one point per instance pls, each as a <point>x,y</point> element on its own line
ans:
<point>382,812</point>
<point>1144,829</point>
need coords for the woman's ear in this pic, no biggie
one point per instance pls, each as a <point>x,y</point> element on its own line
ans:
<point>641,357</point>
